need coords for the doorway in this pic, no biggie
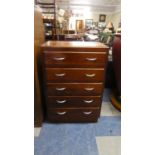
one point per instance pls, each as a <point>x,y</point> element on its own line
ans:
<point>79,25</point>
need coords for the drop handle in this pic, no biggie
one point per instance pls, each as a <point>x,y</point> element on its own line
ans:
<point>91,59</point>
<point>88,101</point>
<point>62,101</point>
<point>60,75</point>
<point>90,75</point>
<point>89,89</point>
<point>59,59</point>
<point>61,113</point>
<point>60,89</point>
<point>87,113</point>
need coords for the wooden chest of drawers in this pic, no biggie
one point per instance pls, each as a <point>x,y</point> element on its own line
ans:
<point>73,80</point>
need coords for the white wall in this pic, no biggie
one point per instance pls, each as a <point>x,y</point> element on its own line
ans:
<point>114,18</point>
<point>72,23</point>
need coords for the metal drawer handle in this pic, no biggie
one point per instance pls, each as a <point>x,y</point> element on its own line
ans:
<point>88,101</point>
<point>89,89</point>
<point>91,59</point>
<point>60,75</point>
<point>59,59</point>
<point>90,75</point>
<point>61,113</point>
<point>63,101</point>
<point>87,113</point>
<point>60,89</point>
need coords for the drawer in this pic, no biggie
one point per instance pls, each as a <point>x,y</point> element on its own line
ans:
<point>74,59</point>
<point>73,101</point>
<point>74,89</point>
<point>74,75</point>
<point>73,115</point>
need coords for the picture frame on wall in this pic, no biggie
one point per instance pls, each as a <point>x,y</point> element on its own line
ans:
<point>102,18</point>
<point>88,23</point>
<point>95,24</point>
<point>101,24</point>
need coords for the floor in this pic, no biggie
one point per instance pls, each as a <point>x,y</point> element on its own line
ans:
<point>101,138</point>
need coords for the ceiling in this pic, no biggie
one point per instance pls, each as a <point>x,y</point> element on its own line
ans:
<point>107,6</point>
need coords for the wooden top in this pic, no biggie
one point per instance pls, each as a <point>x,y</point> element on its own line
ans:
<point>73,44</point>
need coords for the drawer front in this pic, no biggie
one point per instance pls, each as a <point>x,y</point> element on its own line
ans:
<point>74,75</point>
<point>73,59</point>
<point>73,101</point>
<point>74,89</point>
<point>73,115</point>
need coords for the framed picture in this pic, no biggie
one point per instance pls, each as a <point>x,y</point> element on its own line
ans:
<point>88,23</point>
<point>102,18</point>
<point>95,24</point>
<point>101,24</point>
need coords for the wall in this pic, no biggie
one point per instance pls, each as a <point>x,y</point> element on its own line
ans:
<point>114,18</point>
<point>72,23</point>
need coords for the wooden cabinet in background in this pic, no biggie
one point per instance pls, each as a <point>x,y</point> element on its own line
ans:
<point>117,61</point>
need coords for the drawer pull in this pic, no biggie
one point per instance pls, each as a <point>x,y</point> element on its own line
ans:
<point>61,113</point>
<point>60,75</point>
<point>87,113</point>
<point>63,101</point>
<point>91,59</point>
<point>88,101</point>
<point>60,89</point>
<point>90,75</point>
<point>89,89</point>
<point>59,59</point>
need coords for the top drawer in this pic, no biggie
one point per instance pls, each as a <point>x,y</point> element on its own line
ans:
<point>74,59</point>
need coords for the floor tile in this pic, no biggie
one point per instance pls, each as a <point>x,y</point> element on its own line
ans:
<point>52,140</point>
<point>107,109</point>
<point>108,126</point>
<point>75,138</point>
<point>37,132</point>
<point>106,95</point>
<point>81,139</point>
<point>109,145</point>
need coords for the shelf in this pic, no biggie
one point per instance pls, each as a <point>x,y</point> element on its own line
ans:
<point>42,3</point>
<point>47,7</point>
<point>48,12</point>
<point>50,24</point>
<point>46,20</point>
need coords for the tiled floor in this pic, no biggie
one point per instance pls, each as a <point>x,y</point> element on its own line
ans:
<point>108,110</point>
<point>37,132</point>
<point>102,138</point>
<point>109,145</point>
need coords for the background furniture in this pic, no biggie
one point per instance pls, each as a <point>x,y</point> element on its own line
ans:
<point>74,74</point>
<point>68,31</point>
<point>49,18</point>
<point>117,61</point>
<point>38,112</point>
<point>38,39</point>
<point>50,30</point>
<point>116,94</point>
<point>72,37</point>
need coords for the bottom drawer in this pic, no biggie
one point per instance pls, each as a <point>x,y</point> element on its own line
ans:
<point>73,115</point>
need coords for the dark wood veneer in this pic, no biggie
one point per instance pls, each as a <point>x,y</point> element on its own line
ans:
<point>75,59</point>
<point>73,101</point>
<point>74,89</point>
<point>74,75</point>
<point>86,75</point>
<point>73,115</point>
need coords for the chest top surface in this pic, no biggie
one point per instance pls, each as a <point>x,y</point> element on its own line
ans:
<point>73,44</point>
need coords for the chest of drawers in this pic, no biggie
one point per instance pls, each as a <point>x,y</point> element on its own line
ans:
<point>73,74</point>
